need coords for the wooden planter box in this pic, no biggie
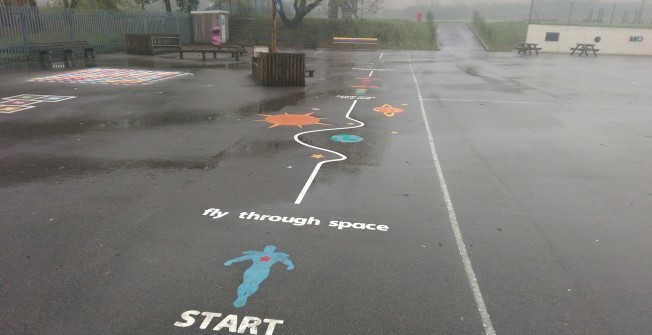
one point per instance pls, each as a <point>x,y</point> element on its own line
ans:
<point>279,69</point>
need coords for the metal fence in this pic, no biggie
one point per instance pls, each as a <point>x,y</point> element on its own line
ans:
<point>104,30</point>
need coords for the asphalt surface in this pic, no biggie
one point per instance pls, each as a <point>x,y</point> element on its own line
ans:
<point>458,37</point>
<point>541,162</point>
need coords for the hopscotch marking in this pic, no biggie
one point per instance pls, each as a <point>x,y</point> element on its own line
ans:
<point>22,102</point>
<point>314,173</point>
<point>468,267</point>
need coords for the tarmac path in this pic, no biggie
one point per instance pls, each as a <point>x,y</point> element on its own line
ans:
<point>480,193</point>
<point>457,37</point>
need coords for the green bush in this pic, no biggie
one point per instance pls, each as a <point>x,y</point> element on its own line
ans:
<point>391,34</point>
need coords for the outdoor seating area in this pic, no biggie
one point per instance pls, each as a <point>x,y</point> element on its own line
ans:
<point>67,48</point>
<point>527,48</point>
<point>149,44</point>
<point>235,51</point>
<point>355,41</point>
<point>584,49</point>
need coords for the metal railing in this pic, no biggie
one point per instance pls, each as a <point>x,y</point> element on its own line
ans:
<point>104,30</point>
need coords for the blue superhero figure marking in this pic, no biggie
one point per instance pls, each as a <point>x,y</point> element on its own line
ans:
<point>258,271</point>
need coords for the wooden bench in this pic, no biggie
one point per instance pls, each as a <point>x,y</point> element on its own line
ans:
<point>355,40</point>
<point>148,44</point>
<point>235,52</point>
<point>311,73</point>
<point>46,49</point>
<point>165,42</point>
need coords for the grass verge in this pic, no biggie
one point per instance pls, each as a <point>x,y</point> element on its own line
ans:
<point>503,36</point>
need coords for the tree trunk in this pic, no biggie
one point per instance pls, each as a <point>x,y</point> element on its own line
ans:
<point>168,7</point>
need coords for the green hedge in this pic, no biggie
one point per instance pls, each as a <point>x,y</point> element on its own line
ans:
<point>391,34</point>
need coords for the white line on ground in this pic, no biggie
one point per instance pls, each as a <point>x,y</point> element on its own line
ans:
<point>468,267</point>
<point>318,52</point>
<point>371,74</point>
<point>381,55</point>
<point>306,187</point>
<point>534,103</point>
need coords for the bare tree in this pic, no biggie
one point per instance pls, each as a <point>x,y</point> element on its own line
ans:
<point>371,6</point>
<point>301,9</point>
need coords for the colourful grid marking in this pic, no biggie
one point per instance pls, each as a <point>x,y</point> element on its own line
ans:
<point>21,102</point>
<point>13,109</point>
<point>110,76</point>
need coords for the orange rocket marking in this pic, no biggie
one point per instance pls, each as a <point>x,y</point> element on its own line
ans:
<point>298,120</point>
<point>388,110</point>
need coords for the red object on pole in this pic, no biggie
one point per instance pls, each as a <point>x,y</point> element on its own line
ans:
<point>420,16</point>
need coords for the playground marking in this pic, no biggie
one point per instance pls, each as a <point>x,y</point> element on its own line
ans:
<point>22,102</point>
<point>262,262</point>
<point>318,52</point>
<point>388,110</point>
<point>298,120</point>
<point>305,222</point>
<point>319,165</point>
<point>468,267</point>
<point>12,109</point>
<point>110,76</point>
<point>229,322</point>
<point>381,55</point>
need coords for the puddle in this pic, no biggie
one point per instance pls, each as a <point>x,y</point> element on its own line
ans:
<point>48,168</point>
<point>272,105</point>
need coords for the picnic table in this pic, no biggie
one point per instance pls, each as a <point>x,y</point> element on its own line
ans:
<point>584,49</point>
<point>528,47</point>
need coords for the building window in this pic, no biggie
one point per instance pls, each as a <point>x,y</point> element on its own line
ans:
<point>552,37</point>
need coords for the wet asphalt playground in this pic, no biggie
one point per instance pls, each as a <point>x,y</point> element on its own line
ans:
<point>489,192</point>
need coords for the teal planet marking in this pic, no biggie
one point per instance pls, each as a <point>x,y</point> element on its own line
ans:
<point>346,138</point>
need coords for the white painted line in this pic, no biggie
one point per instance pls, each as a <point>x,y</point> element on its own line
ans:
<point>535,103</point>
<point>371,74</point>
<point>470,274</point>
<point>318,52</point>
<point>306,187</point>
<point>381,55</point>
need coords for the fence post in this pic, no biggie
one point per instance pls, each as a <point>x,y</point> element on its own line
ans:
<point>105,23</point>
<point>71,26</point>
<point>178,24</point>
<point>145,22</point>
<point>24,31</point>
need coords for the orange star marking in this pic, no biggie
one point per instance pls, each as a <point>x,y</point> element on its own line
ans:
<point>286,119</point>
<point>319,156</point>
<point>388,110</point>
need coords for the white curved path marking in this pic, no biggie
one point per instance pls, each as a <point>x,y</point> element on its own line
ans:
<point>306,187</point>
